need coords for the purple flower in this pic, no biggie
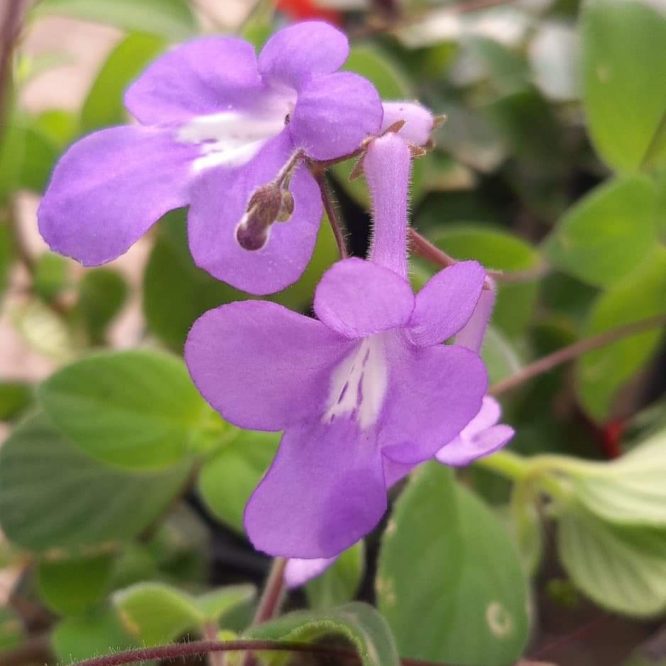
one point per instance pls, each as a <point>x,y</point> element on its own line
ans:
<point>482,436</point>
<point>217,124</point>
<point>362,392</point>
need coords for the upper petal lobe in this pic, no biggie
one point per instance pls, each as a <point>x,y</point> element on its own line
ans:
<point>446,303</point>
<point>262,366</point>
<point>324,491</point>
<point>109,188</point>
<point>334,113</point>
<point>201,77</point>
<point>294,54</point>
<point>357,298</point>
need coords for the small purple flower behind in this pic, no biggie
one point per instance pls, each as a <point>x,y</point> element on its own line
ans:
<point>482,436</point>
<point>217,125</point>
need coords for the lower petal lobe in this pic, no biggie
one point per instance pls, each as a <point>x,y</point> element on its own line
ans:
<point>324,491</point>
<point>261,365</point>
<point>109,189</point>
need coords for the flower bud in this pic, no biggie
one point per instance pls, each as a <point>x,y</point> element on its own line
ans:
<point>269,204</point>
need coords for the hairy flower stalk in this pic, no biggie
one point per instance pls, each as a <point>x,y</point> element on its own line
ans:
<point>217,124</point>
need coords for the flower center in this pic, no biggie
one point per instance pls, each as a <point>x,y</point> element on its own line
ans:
<point>233,138</point>
<point>358,384</point>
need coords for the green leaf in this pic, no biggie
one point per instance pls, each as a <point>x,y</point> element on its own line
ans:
<point>15,398</point>
<point>608,233</point>
<point>377,67</point>
<point>102,294</point>
<point>71,586</point>
<point>175,291</point>
<point>227,480</point>
<point>95,634</point>
<point>498,250</point>
<point>156,613</point>
<point>215,605</point>
<point>339,583</point>
<point>172,19</point>
<point>358,623</point>
<point>630,490</point>
<point>104,106</point>
<point>444,551</point>
<point>51,274</point>
<point>137,408</point>
<point>602,372</point>
<point>37,159</point>
<point>53,496</point>
<point>624,93</point>
<point>622,569</point>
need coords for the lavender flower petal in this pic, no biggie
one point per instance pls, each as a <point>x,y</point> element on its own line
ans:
<point>418,121</point>
<point>201,77</point>
<point>110,188</point>
<point>334,113</point>
<point>434,392</point>
<point>220,198</point>
<point>262,366</point>
<point>357,298</point>
<point>446,302</point>
<point>324,491</point>
<point>472,334</point>
<point>294,54</point>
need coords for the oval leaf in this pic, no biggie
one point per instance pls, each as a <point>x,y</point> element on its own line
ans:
<point>53,496</point>
<point>445,551</point>
<point>138,408</point>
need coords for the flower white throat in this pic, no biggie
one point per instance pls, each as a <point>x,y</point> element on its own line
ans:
<point>359,383</point>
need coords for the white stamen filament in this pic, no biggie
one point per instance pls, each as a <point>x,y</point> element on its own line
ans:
<point>358,384</point>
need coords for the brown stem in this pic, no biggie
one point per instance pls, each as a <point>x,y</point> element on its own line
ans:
<point>210,634</point>
<point>331,210</point>
<point>180,650</point>
<point>10,29</point>
<point>272,594</point>
<point>570,352</point>
<point>422,247</point>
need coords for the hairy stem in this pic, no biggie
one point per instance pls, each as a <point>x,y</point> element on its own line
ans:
<point>573,351</point>
<point>271,598</point>
<point>331,211</point>
<point>423,248</point>
<point>180,650</point>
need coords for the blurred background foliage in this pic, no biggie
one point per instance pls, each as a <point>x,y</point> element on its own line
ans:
<point>121,491</point>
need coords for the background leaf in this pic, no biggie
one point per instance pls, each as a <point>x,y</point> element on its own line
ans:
<point>169,18</point>
<point>443,550</point>
<point>359,623</point>
<point>608,233</point>
<point>138,408</point>
<point>624,93</point>
<point>52,495</point>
